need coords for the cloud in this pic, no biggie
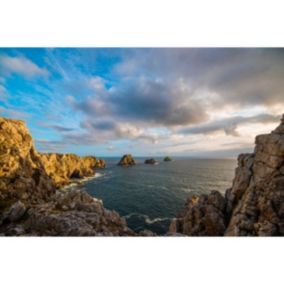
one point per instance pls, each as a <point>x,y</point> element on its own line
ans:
<point>60,128</point>
<point>3,93</point>
<point>187,91</point>
<point>50,146</point>
<point>241,76</point>
<point>22,66</point>
<point>147,101</point>
<point>102,131</point>
<point>144,97</point>
<point>229,126</point>
<point>97,83</point>
<point>14,114</point>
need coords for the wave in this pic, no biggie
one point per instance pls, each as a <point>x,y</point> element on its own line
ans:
<point>80,181</point>
<point>98,175</point>
<point>147,219</point>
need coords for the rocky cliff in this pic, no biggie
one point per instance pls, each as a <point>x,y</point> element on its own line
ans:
<point>29,201</point>
<point>253,206</point>
<point>22,175</point>
<point>64,167</point>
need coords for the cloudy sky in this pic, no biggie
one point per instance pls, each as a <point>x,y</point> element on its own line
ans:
<point>149,102</point>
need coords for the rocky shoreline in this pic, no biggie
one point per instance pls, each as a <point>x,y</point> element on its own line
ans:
<point>253,206</point>
<point>32,205</point>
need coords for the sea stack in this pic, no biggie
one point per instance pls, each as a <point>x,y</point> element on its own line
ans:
<point>253,206</point>
<point>167,159</point>
<point>150,161</point>
<point>126,161</point>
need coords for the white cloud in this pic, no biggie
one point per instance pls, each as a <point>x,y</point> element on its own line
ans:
<point>22,66</point>
<point>3,93</point>
<point>97,83</point>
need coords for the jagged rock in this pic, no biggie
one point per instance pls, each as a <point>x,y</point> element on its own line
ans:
<point>167,159</point>
<point>204,216</point>
<point>74,214</point>
<point>63,167</point>
<point>254,206</point>
<point>22,175</point>
<point>17,211</point>
<point>126,161</point>
<point>100,164</point>
<point>29,202</point>
<point>150,161</point>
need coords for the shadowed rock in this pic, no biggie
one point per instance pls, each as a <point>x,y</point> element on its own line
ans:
<point>167,159</point>
<point>150,161</point>
<point>126,161</point>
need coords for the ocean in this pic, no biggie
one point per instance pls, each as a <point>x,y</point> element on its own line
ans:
<point>148,196</point>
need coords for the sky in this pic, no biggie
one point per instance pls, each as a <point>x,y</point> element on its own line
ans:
<point>197,102</point>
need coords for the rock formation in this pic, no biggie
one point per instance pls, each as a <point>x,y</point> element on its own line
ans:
<point>126,161</point>
<point>167,159</point>
<point>63,167</point>
<point>150,161</point>
<point>29,202</point>
<point>22,175</point>
<point>253,206</point>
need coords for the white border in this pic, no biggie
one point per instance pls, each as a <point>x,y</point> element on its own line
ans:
<point>147,23</point>
<point>132,23</point>
<point>141,260</point>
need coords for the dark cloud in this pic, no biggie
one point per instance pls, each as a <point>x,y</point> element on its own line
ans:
<point>239,75</point>
<point>61,128</point>
<point>229,125</point>
<point>157,102</point>
<point>145,101</point>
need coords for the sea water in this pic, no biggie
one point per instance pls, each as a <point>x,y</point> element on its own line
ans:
<point>148,196</point>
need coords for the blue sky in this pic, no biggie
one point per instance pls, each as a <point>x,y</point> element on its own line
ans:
<point>149,102</point>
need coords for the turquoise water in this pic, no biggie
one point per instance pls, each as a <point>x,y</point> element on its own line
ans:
<point>148,196</point>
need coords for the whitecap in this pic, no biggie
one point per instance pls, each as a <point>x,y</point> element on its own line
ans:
<point>147,219</point>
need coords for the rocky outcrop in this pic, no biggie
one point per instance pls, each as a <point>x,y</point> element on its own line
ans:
<point>126,161</point>
<point>100,164</point>
<point>150,161</point>
<point>254,206</point>
<point>22,175</point>
<point>167,159</point>
<point>29,202</point>
<point>74,213</point>
<point>64,167</point>
<point>203,216</point>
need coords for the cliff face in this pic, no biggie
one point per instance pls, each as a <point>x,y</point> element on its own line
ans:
<point>29,201</point>
<point>22,175</point>
<point>254,206</point>
<point>63,167</point>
